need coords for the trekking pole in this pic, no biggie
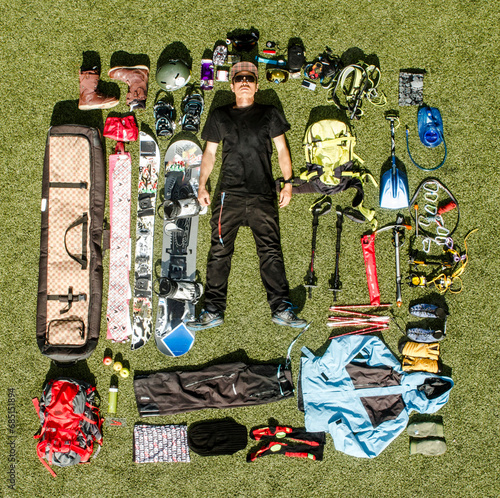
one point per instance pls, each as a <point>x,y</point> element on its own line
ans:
<point>344,307</point>
<point>336,283</point>
<point>397,243</point>
<point>318,208</point>
<point>367,330</point>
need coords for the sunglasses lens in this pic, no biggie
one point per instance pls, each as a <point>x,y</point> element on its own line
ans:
<point>249,78</point>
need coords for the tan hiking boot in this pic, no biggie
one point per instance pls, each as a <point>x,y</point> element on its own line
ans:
<point>136,78</point>
<point>90,97</point>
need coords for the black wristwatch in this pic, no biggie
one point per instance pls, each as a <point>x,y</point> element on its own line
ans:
<point>287,181</point>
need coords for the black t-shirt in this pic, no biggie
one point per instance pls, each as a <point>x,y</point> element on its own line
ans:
<point>246,134</point>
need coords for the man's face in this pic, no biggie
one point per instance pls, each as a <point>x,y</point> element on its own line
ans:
<point>243,87</point>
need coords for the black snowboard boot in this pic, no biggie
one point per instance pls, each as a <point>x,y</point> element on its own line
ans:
<point>192,106</point>
<point>164,119</point>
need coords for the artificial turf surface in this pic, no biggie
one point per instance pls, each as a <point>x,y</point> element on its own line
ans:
<point>42,47</point>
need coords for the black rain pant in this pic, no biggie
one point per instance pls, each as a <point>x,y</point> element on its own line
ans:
<point>228,385</point>
<point>260,214</point>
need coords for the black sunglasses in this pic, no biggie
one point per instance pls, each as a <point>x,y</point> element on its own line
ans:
<point>249,78</point>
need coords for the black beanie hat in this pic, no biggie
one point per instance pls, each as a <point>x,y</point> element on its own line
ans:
<point>217,437</point>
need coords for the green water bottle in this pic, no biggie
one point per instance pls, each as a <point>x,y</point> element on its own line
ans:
<point>113,399</point>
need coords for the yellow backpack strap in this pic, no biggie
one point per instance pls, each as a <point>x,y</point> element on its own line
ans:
<point>307,175</point>
<point>357,158</point>
<point>369,214</point>
<point>363,176</point>
<point>329,142</point>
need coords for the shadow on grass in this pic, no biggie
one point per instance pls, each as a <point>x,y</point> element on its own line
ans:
<point>326,112</point>
<point>175,51</point>
<point>355,55</point>
<point>67,112</point>
<point>122,58</point>
<point>78,371</point>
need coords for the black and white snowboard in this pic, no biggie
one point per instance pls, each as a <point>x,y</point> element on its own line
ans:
<point>177,288</point>
<point>149,166</point>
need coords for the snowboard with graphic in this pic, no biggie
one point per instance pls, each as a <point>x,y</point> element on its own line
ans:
<point>178,261</point>
<point>149,166</point>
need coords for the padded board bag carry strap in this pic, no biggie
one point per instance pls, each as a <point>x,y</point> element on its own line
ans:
<point>70,423</point>
<point>70,277</point>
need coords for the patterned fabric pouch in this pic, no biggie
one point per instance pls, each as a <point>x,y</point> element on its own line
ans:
<point>160,443</point>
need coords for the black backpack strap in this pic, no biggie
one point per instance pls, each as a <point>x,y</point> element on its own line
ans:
<point>67,298</point>
<point>82,260</point>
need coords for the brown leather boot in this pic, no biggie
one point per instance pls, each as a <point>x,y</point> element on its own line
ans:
<point>136,78</point>
<point>90,97</point>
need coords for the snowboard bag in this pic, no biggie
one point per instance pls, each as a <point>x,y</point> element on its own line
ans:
<point>70,274</point>
<point>227,385</point>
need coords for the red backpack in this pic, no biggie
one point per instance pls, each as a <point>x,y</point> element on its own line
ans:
<point>70,423</point>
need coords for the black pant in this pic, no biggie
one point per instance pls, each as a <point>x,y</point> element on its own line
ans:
<point>229,385</point>
<point>260,214</point>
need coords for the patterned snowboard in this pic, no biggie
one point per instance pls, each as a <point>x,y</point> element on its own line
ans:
<point>149,166</point>
<point>118,312</point>
<point>178,261</point>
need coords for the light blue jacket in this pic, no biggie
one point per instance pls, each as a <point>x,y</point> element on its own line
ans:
<point>333,404</point>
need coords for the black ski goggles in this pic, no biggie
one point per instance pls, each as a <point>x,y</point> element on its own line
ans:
<point>249,78</point>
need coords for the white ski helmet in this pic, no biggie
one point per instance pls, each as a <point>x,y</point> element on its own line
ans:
<point>173,75</point>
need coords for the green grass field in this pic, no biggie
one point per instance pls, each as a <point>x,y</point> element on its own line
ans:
<point>456,42</point>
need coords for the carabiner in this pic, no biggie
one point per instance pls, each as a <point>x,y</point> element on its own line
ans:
<point>431,186</point>
<point>432,210</point>
<point>431,196</point>
<point>444,241</point>
<point>424,221</point>
<point>439,220</point>
<point>449,243</point>
<point>442,231</point>
<point>426,245</point>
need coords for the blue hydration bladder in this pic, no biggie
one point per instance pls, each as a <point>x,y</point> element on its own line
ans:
<point>430,131</point>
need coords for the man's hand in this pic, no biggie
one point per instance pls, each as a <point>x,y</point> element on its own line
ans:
<point>203,196</point>
<point>285,195</point>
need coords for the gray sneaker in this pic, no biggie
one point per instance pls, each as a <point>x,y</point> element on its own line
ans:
<point>288,318</point>
<point>206,320</point>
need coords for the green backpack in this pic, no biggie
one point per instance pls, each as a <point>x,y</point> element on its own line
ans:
<point>332,166</point>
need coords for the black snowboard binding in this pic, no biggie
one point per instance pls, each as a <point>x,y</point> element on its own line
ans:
<point>192,106</point>
<point>180,290</point>
<point>181,208</point>
<point>178,209</point>
<point>164,119</point>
